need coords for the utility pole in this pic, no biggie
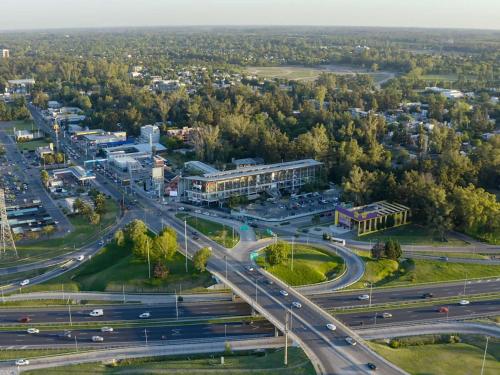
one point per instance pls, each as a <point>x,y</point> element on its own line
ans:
<point>370,299</point>
<point>484,355</point>
<point>69,312</point>
<point>123,292</point>
<point>146,335</point>
<point>225,258</point>
<point>149,264</point>
<point>76,344</point>
<point>186,244</point>
<point>293,240</point>
<point>465,283</point>
<point>176,306</point>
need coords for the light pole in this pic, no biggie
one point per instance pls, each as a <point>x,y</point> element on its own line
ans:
<point>376,318</point>
<point>149,263</point>
<point>225,259</point>
<point>186,244</point>
<point>176,306</point>
<point>465,283</point>
<point>76,344</point>
<point>293,240</point>
<point>484,355</point>
<point>69,313</point>
<point>370,299</point>
<point>285,362</point>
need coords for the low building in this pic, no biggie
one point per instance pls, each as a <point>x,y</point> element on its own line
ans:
<point>150,133</point>
<point>185,134</point>
<point>5,53</point>
<point>250,182</point>
<point>373,217</point>
<point>76,172</point>
<point>43,151</point>
<point>19,86</point>
<point>447,93</point>
<point>26,135</point>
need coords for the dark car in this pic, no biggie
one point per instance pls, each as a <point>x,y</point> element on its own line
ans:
<point>372,366</point>
<point>427,295</point>
<point>24,319</point>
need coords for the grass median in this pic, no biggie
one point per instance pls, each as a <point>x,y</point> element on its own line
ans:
<point>220,233</point>
<point>311,265</point>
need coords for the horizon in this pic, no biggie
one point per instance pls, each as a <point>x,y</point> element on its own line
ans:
<point>27,15</point>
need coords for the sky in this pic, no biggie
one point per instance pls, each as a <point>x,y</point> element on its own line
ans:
<point>44,14</point>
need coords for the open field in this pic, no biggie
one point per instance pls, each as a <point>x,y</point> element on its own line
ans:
<point>444,359</point>
<point>115,269</point>
<point>32,145</point>
<point>244,363</point>
<point>411,234</point>
<point>310,266</point>
<point>305,73</point>
<point>219,233</point>
<point>9,126</point>
<point>82,233</point>
<point>387,272</point>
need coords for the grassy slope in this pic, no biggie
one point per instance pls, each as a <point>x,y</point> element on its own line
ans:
<point>32,145</point>
<point>220,233</point>
<point>411,235</point>
<point>8,126</point>
<point>443,359</point>
<point>311,265</point>
<point>387,272</point>
<point>271,363</point>
<point>115,268</point>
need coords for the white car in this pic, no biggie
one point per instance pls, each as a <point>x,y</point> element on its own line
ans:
<point>296,304</point>
<point>464,302</point>
<point>22,362</point>
<point>80,258</point>
<point>250,268</point>
<point>107,329</point>
<point>284,293</point>
<point>197,211</point>
<point>33,330</point>
<point>350,341</point>
<point>386,315</point>
<point>145,315</point>
<point>364,297</point>
<point>97,338</point>
<point>181,208</point>
<point>331,327</point>
<point>24,282</point>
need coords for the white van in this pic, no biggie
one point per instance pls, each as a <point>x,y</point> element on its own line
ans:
<point>97,312</point>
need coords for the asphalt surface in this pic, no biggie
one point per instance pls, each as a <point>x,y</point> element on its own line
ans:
<point>14,339</point>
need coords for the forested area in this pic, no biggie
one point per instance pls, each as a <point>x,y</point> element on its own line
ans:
<point>448,176</point>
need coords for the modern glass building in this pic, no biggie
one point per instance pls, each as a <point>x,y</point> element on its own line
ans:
<point>249,181</point>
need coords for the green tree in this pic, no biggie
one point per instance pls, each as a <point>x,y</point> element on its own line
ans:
<point>277,253</point>
<point>119,238</point>
<point>48,230</point>
<point>141,246</point>
<point>201,257</point>
<point>44,176</point>
<point>160,271</point>
<point>164,245</point>
<point>134,229</point>
<point>393,250</point>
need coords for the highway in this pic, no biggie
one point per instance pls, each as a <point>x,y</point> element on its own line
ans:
<point>194,332</point>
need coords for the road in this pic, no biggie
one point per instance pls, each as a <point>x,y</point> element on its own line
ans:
<point>325,348</point>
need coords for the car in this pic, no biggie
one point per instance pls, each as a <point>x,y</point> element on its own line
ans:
<point>24,319</point>
<point>197,211</point>
<point>444,259</point>
<point>284,293</point>
<point>24,282</point>
<point>66,334</point>
<point>33,330</point>
<point>372,366</point>
<point>269,282</point>
<point>196,238</point>
<point>296,304</point>
<point>22,362</point>
<point>427,295</point>
<point>331,327</point>
<point>464,302</point>
<point>97,338</point>
<point>107,329</point>
<point>364,297</point>
<point>97,312</point>
<point>145,315</point>
<point>350,341</point>
<point>250,268</point>
<point>386,315</point>
<point>443,309</point>
<point>80,258</point>
<point>181,208</point>
<point>101,242</point>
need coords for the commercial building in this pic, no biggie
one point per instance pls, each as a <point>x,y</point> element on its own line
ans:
<point>5,53</point>
<point>215,187</point>
<point>42,151</point>
<point>19,86</point>
<point>373,217</point>
<point>76,172</point>
<point>128,157</point>
<point>27,135</point>
<point>150,133</point>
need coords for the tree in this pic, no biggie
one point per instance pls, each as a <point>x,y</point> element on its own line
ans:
<point>160,271</point>
<point>201,257</point>
<point>119,238</point>
<point>100,203</point>
<point>44,176</point>
<point>164,245</point>
<point>48,230</point>
<point>393,250</point>
<point>277,253</point>
<point>141,246</point>
<point>94,218</point>
<point>378,250</point>
<point>134,229</point>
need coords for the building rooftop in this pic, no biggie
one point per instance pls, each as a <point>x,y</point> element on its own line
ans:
<point>257,169</point>
<point>372,210</point>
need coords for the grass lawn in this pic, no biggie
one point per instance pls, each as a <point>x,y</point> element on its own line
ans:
<point>9,126</point>
<point>386,272</point>
<point>463,358</point>
<point>31,353</point>
<point>263,363</point>
<point>311,265</point>
<point>220,233</point>
<point>440,77</point>
<point>115,268</point>
<point>411,234</point>
<point>32,145</point>
<point>82,234</point>
<point>453,255</point>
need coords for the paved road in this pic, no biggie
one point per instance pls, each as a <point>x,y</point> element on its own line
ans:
<point>128,336</point>
<point>197,310</point>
